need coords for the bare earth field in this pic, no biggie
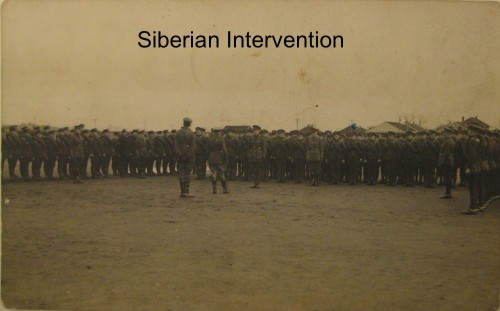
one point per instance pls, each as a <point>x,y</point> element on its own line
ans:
<point>133,244</point>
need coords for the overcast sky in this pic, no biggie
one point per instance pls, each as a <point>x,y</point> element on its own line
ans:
<point>68,62</point>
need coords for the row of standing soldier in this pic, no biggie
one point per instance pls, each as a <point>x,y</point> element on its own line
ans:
<point>424,158</point>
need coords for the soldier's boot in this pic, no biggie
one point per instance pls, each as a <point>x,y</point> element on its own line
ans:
<point>186,190</point>
<point>214,186</point>
<point>12,174</point>
<point>224,186</point>
<point>183,189</point>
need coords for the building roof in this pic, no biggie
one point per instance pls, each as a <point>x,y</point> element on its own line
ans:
<point>350,129</point>
<point>476,122</point>
<point>464,125</point>
<point>237,128</point>
<point>396,127</point>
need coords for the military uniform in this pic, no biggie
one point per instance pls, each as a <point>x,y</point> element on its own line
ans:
<point>446,163</point>
<point>63,153</point>
<point>410,159</point>
<point>76,154</point>
<point>256,155</point>
<point>184,148</point>
<point>298,157</point>
<point>95,153</point>
<point>107,152</point>
<point>314,156</point>
<point>372,157</point>
<point>280,155</point>
<point>52,151</point>
<point>429,151</point>
<point>353,155</point>
<point>472,161</point>
<point>231,147</point>
<point>12,151</point>
<point>217,160</point>
<point>159,151</point>
<point>201,153</point>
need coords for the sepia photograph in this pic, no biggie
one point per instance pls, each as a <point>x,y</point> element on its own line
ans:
<point>250,155</point>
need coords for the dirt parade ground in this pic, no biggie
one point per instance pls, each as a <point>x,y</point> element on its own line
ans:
<point>133,244</point>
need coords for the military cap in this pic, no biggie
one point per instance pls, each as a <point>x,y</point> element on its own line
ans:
<point>151,132</point>
<point>264,131</point>
<point>281,131</point>
<point>85,131</point>
<point>215,129</point>
<point>165,131</point>
<point>60,130</point>
<point>256,127</point>
<point>174,131</point>
<point>124,131</point>
<point>36,128</point>
<point>80,126</point>
<point>72,130</point>
<point>159,132</point>
<point>51,131</point>
<point>105,131</point>
<point>199,128</point>
<point>141,131</point>
<point>93,130</point>
<point>187,120</point>
<point>12,127</point>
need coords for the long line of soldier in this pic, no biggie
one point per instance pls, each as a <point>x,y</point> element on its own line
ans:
<point>409,159</point>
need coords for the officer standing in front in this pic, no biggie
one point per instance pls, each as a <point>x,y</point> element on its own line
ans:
<point>184,148</point>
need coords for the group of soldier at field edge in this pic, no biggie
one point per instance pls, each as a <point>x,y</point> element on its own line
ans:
<point>425,158</point>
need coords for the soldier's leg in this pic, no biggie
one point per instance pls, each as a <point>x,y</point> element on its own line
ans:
<point>94,166</point>
<point>75,169</point>
<point>24,165</point>
<point>473,191</point>
<point>158,165</point>
<point>462,175</point>
<point>105,165</point>
<point>172,165</point>
<point>83,167</point>
<point>12,168</point>
<point>48,167</point>
<point>164,164</point>
<point>256,173</point>
<point>36,167</point>
<point>188,168</point>
<point>213,177</point>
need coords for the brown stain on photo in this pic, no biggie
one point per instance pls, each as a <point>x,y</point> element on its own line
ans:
<point>302,75</point>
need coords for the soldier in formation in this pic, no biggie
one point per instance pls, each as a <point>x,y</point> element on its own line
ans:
<point>185,148</point>
<point>217,159</point>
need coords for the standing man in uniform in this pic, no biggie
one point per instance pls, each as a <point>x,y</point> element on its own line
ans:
<point>256,156</point>
<point>446,161</point>
<point>75,143</point>
<point>184,148</point>
<point>107,151</point>
<point>217,159</point>
<point>13,150</point>
<point>314,156</point>
<point>63,152</point>
<point>52,151</point>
